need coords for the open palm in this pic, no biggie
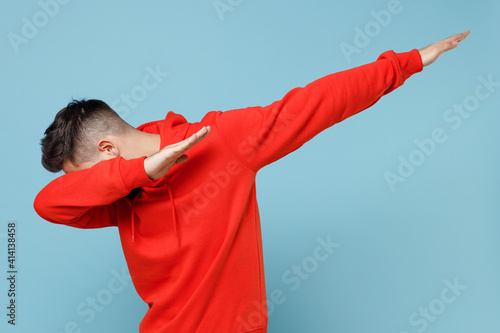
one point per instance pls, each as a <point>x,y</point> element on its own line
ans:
<point>432,52</point>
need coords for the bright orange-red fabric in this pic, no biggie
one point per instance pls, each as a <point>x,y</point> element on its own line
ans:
<point>192,240</point>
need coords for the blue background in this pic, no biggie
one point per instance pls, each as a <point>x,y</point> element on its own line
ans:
<point>397,247</point>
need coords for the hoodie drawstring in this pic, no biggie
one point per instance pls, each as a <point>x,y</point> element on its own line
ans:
<point>132,217</point>
<point>174,217</point>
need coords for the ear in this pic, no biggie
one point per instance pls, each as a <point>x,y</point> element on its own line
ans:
<point>108,149</point>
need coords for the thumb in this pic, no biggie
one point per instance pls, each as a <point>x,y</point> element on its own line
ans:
<point>183,158</point>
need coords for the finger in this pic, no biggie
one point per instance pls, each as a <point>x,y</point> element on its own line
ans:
<point>179,148</point>
<point>459,36</point>
<point>455,39</point>
<point>181,159</point>
<point>195,138</point>
<point>451,42</point>
<point>463,35</point>
<point>202,133</point>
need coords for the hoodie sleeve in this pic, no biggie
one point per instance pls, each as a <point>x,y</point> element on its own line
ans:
<point>86,198</point>
<point>258,136</point>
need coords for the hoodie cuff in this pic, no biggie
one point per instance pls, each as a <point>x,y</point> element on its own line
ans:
<point>406,64</point>
<point>410,62</point>
<point>133,173</point>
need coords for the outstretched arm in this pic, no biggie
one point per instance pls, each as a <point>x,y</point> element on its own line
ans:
<point>258,136</point>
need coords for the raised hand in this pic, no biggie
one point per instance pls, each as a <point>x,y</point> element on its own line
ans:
<point>159,164</point>
<point>430,53</point>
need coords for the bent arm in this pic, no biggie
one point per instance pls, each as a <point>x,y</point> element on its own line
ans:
<point>85,198</point>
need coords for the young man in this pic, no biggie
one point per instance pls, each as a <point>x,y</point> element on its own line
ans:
<point>190,227</point>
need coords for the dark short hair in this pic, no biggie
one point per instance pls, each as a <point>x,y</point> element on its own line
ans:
<point>67,138</point>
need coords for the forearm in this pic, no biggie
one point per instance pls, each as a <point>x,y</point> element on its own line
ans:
<point>69,198</point>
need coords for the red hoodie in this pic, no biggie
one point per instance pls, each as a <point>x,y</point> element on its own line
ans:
<point>192,239</point>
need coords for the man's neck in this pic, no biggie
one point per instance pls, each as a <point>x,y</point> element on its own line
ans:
<point>138,144</point>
